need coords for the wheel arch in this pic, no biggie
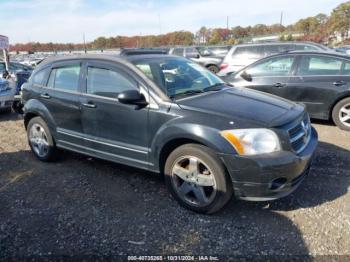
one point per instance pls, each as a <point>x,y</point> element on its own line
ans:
<point>34,108</point>
<point>172,137</point>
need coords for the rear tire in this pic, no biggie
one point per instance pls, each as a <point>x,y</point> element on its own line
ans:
<point>197,179</point>
<point>214,69</point>
<point>341,114</point>
<point>40,140</point>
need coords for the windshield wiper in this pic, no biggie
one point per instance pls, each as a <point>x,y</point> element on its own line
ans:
<point>215,87</point>
<point>188,92</point>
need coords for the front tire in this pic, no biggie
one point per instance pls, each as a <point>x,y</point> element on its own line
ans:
<point>40,140</point>
<point>197,179</point>
<point>341,114</point>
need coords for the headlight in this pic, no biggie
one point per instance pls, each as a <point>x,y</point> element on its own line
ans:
<point>252,141</point>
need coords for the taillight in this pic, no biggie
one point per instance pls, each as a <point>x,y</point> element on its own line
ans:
<point>223,66</point>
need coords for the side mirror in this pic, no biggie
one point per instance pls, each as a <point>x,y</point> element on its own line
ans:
<point>246,76</point>
<point>132,97</point>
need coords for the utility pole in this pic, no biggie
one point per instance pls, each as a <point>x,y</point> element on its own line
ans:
<point>281,20</point>
<point>227,23</point>
<point>84,43</point>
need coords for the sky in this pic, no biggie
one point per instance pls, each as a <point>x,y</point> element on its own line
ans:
<point>63,21</point>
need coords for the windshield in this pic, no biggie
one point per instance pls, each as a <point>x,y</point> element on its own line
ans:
<point>179,77</point>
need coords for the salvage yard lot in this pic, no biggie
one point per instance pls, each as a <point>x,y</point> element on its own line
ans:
<point>81,205</point>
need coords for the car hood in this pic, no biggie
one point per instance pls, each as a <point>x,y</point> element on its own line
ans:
<point>249,107</point>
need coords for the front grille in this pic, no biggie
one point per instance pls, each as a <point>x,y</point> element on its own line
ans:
<point>300,134</point>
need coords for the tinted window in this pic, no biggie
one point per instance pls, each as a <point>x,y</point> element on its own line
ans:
<point>40,76</point>
<point>275,49</point>
<point>280,66</point>
<point>66,78</point>
<point>249,52</point>
<point>319,65</point>
<point>108,83</point>
<point>178,51</point>
<point>346,70</point>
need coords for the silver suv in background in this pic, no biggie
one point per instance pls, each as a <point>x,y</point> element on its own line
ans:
<point>241,56</point>
<point>200,55</point>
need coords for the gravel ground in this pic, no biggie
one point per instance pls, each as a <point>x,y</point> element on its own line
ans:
<point>85,206</point>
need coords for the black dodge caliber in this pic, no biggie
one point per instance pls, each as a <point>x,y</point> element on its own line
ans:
<point>171,116</point>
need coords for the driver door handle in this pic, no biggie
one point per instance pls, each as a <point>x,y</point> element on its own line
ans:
<point>89,105</point>
<point>339,83</point>
<point>279,85</point>
<point>46,96</point>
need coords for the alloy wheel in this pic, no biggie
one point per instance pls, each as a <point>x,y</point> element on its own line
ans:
<point>193,181</point>
<point>344,115</point>
<point>38,140</point>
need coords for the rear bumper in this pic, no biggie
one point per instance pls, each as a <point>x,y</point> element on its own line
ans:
<point>269,177</point>
<point>6,99</point>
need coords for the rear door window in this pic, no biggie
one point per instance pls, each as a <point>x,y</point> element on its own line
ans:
<point>346,70</point>
<point>40,77</point>
<point>319,65</point>
<point>65,78</point>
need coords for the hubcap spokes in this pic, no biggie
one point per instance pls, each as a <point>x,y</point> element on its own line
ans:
<point>344,115</point>
<point>38,140</point>
<point>194,181</point>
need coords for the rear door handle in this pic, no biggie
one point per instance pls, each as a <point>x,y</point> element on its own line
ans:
<point>339,83</point>
<point>279,85</point>
<point>89,105</point>
<point>46,96</point>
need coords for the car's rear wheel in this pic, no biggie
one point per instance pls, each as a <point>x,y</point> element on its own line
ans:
<point>214,69</point>
<point>341,114</point>
<point>197,178</point>
<point>40,140</point>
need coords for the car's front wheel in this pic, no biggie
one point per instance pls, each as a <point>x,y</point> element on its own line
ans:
<point>341,114</point>
<point>40,140</point>
<point>197,178</point>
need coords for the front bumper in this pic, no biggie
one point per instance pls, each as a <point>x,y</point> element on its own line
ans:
<point>272,176</point>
